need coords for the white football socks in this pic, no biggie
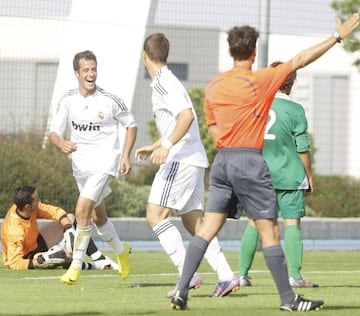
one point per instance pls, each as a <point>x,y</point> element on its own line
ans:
<point>81,242</point>
<point>107,233</point>
<point>172,242</point>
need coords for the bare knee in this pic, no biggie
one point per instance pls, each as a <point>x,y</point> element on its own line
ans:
<point>269,232</point>
<point>155,214</point>
<point>192,221</point>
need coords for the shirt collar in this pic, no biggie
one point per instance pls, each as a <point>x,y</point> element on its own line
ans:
<point>282,95</point>
<point>158,74</point>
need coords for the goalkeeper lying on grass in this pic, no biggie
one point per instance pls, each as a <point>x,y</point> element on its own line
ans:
<point>26,247</point>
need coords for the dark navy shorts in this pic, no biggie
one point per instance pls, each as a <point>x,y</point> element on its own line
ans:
<point>240,180</point>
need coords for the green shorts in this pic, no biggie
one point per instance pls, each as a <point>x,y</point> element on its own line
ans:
<point>291,204</point>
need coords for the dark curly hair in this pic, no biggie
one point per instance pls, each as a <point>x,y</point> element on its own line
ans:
<point>289,82</point>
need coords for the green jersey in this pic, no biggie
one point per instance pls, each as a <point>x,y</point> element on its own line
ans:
<point>285,137</point>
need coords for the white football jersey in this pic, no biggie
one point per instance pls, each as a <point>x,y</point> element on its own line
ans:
<point>169,98</point>
<point>93,124</point>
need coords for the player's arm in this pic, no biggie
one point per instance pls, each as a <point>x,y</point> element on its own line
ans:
<point>144,152</point>
<point>310,54</point>
<point>55,213</point>
<point>125,164</point>
<point>213,129</point>
<point>65,222</point>
<point>306,160</point>
<point>183,123</point>
<point>184,120</point>
<point>213,132</point>
<point>66,146</point>
<point>58,127</point>
<point>15,255</point>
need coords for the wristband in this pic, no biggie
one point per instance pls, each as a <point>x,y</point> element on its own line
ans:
<point>337,36</point>
<point>66,227</point>
<point>167,144</point>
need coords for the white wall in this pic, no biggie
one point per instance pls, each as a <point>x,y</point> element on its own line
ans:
<point>114,30</point>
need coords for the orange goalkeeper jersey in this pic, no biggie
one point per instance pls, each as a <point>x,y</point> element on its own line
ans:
<point>19,235</point>
<point>238,103</point>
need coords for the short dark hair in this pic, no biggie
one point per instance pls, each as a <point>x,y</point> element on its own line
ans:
<point>23,195</point>
<point>242,41</point>
<point>87,55</point>
<point>290,80</point>
<point>157,47</point>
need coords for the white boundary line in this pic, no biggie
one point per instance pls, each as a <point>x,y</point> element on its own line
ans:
<point>175,274</point>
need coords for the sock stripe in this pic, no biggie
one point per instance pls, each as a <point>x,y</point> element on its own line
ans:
<point>164,227</point>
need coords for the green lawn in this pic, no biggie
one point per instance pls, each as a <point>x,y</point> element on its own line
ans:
<point>38,292</point>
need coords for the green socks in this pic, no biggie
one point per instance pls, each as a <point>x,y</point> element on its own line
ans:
<point>248,248</point>
<point>293,248</point>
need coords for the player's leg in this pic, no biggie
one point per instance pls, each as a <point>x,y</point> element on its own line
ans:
<point>81,240</point>
<point>227,281</point>
<point>292,209</point>
<point>274,257</point>
<point>170,239</point>
<point>99,261</point>
<point>219,199</point>
<point>47,258</point>
<point>195,252</point>
<point>91,190</point>
<point>167,233</point>
<point>166,190</point>
<point>52,233</point>
<point>249,243</point>
<point>261,196</point>
<point>107,232</point>
<point>293,247</point>
<point>191,216</point>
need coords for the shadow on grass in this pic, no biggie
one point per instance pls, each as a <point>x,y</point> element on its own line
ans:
<point>345,286</point>
<point>171,285</point>
<point>339,308</point>
<point>229,296</point>
<point>62,314</point>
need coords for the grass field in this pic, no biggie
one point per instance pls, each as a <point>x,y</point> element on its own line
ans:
<point>37,292</point>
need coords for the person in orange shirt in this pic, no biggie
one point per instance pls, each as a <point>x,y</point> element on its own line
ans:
<point>237,105</point>
<point>24,246</point>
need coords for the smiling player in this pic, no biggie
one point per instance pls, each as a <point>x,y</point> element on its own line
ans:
<point>93,117</point>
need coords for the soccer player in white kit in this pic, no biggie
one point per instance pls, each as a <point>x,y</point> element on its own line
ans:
<point>92,118</point>
<point>179,182</point>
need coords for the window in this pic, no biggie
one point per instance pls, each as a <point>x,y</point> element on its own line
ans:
<point>180,70</point>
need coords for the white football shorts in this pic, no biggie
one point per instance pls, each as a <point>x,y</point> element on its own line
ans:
<point>178,186</point>
<point>94,187</point>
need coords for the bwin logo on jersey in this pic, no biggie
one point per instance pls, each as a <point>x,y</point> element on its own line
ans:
<point>85,127</point>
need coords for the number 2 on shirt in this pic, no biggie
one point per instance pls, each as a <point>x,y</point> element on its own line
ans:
<point>270,123</point>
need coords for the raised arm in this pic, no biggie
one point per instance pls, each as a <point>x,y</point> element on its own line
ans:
<point>310,54</point>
